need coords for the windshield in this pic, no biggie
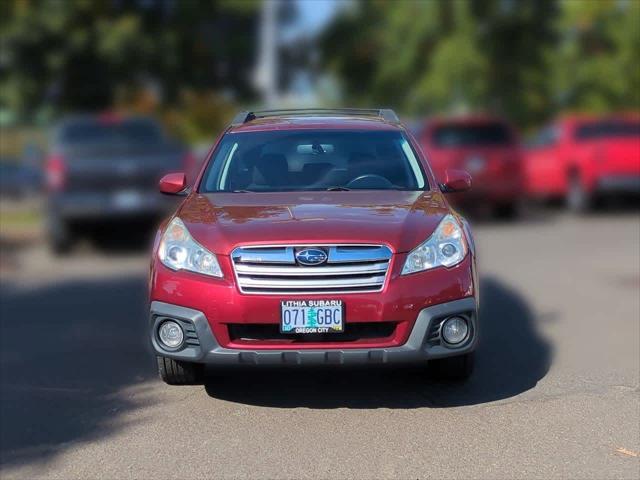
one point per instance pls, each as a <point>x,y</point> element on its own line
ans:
<point>608,129</point>
<point>277,161</point>
<point>471,135</point>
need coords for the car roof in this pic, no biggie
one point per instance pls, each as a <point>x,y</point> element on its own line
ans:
<point>465,119</point>
<point>569,118</point>
<point>315,123</point>
<point>104,118</point>
<point>316,118</point>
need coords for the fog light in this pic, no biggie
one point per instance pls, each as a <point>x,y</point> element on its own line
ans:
<point>455,330</point>
<point>171,334</point>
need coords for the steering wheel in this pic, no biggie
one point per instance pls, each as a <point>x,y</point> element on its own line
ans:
<point>370,181</point>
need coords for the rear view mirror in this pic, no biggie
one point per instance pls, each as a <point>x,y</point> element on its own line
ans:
<point>456,181</point>
<point>173,184</point>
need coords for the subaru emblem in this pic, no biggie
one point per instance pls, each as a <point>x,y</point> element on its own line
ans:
<point>311,256</point>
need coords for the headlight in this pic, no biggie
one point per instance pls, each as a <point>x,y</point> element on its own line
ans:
<point>445,248</point>
<point>179,251</point>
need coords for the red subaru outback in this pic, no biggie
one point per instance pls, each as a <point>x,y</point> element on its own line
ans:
<point>313,237</point>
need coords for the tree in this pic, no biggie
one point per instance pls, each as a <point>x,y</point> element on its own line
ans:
<point>424,56</point>
<point>78,54</point>
<point>596,66</point>
<point>515,37</point>
<point>525,59</point>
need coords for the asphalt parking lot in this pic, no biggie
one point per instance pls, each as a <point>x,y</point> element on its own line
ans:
<point>555,393</point>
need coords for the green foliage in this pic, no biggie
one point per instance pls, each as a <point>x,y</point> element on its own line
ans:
<point>597,64</point>
<point>457,77</point>
<point>525,59</point>
<point>197,115</point>
<point>76,54</point>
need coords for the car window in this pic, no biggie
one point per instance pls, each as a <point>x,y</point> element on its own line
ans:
<point>546,137</point>
<point>92,131</point>
<point>313,160</point>
<point>451,136</point>
<point>605,129</point>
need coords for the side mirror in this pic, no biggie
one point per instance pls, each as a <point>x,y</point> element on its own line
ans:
<point>456,181</point>
<point>173,184</point>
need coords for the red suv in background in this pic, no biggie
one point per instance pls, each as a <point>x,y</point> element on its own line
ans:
<point>313,237</point>
<point>582,158</point>
<point>485,146</point>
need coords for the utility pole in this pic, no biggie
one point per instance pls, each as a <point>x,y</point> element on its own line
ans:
<point>266,77</point>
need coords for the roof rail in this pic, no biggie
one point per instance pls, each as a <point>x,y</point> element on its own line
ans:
<point>384,113</point>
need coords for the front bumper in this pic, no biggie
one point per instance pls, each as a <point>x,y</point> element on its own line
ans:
<point>202,346</point>
<point>400,302</point>
<point>109,205</point>
<point>619,184</point>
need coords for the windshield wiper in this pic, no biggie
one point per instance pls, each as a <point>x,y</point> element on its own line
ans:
<point>243,191</point>
<point>338,189</point>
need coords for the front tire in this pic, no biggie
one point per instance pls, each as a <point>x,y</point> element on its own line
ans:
<point>59,236</point>
<point>176,372</point>
<point>456,368</point>
<point>579,200</point>
<point>506,211</point>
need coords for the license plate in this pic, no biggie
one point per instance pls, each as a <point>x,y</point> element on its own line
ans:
<point>311,316</point>
<point>475,164</point>
<point>127,199</point>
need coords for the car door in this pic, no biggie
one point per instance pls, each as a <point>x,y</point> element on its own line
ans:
<point>544,167</point>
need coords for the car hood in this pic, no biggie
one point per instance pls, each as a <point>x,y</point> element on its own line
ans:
<point>399,219</point>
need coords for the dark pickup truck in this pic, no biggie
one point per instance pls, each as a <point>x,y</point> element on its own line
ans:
<point>104,170</point>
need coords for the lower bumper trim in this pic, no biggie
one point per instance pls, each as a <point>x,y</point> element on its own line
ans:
<point>415,350</point>
<point>619,184</point>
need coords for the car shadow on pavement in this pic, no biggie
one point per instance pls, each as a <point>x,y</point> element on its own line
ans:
<point>68,351</point>
<point>511,359</point>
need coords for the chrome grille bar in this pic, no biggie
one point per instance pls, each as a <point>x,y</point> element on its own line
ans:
<point>350,254</point>
<point>274,270</point>
<point>305,284</point>
<point>264,255</point>
<point>297,271</point>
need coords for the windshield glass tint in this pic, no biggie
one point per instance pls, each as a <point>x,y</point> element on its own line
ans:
<point>470,135</point>
<point>595,130</point>
<point>277,161</point>
<point>90,131</point>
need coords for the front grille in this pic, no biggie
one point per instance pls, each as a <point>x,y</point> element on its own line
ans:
<point>260,332</point>
<point>274,269</point>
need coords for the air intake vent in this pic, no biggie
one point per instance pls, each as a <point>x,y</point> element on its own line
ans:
<point>434,331</point>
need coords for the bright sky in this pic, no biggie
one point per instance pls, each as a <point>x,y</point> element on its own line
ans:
<point>314,14</point>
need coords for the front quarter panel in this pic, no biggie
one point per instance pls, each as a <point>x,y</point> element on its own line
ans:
<point>472,255</point>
